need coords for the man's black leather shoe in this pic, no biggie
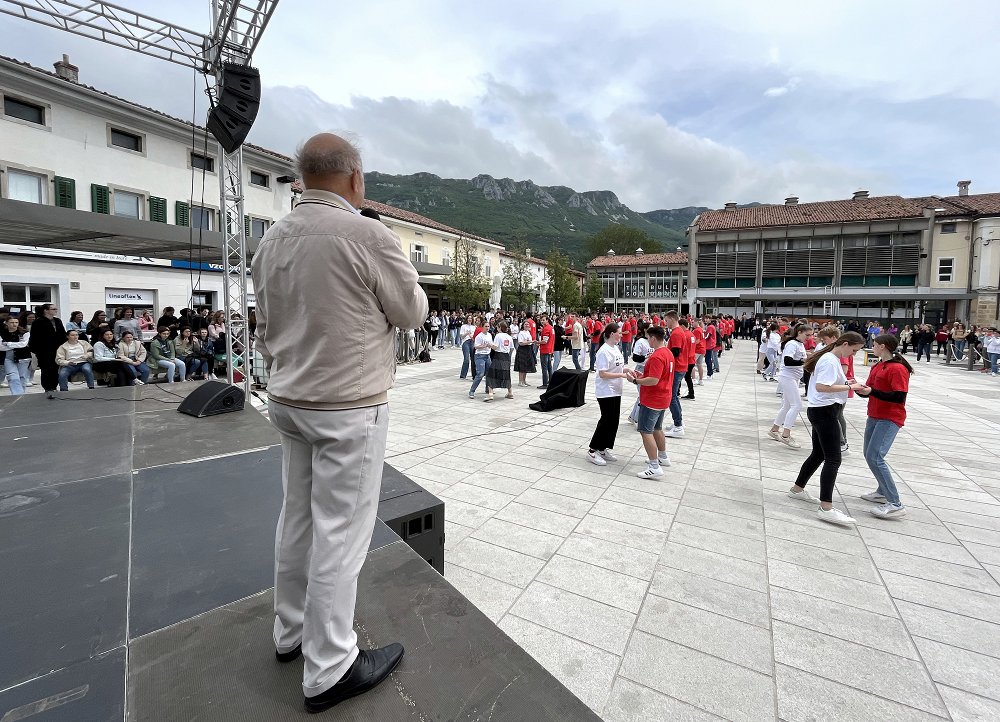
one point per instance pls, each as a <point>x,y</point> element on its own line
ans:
<point>370,668</point>
<point>288,656</point>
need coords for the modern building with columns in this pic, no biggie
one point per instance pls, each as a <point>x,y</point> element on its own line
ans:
<point>643,282</point>
<point>932,258</point>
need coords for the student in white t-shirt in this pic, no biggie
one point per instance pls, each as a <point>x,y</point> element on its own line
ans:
<point>608,386</point>
<point>498,376</point>
<point>772,348</point>
<point>793,359</point>
<point>828,389</point>
<point>482,345</point>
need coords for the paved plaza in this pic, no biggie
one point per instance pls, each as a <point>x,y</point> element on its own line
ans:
<point>708,593</point>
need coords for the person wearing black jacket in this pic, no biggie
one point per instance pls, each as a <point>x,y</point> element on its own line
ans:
<point>47,335</point>
<point>923,337</point>
<point>169,320</point>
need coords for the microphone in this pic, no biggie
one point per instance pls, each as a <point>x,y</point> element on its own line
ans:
<point>370,213</point>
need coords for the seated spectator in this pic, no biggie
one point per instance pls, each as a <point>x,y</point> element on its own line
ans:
<point>205,352</point>
<point>76,323</point>
<point>15,355</point>
<point>163,352</point>
<point>106,359</point>
<point>128,322</point>
<point>169,320</point>
<point>187,351</point>
<point>72,357</point>
<point>133,354</point>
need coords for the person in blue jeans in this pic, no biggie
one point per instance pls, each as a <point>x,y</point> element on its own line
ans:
<point>482,345</point>
<point>465,334</point>
<point>74,355</point>
<point>886,388</point>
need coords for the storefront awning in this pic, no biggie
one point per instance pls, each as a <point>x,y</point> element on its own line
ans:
<point>431,269</point>
<point>43,226</point>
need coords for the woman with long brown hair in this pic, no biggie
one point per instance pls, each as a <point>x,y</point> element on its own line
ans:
<point>886,389</point>
<point>828,389</point>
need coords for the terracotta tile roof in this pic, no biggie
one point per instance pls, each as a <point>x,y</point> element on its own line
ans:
<point>643,259</point>
<point>187,123</point>
<point>384,209</point>
<point>541,262</point>
<point>845,211</point>
<point>985,204</point>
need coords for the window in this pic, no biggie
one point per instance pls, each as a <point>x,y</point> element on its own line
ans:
<point>24,294</point>
<point>28,187</point>
<point>258,227</point>
<point>202,162</point>
<point>259,179</point>
<point>489,268</point>
<point>949,227</point>
<point>445,256</point>
<point>23,110</point>
<point>128,204</point>
<point>128,141</point>
<point>777,244</point>
<point>201,217</point>
<point>946,270</point>
<point>418,253</point>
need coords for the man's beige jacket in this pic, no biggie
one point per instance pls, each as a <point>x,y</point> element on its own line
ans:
<point>331,288</point>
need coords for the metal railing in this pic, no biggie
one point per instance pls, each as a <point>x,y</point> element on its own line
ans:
<point>409,344</point>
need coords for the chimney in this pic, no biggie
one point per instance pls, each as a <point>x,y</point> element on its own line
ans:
<point>66,70</point>
<point>792,201</point>
<point>858,195</point>
<point>611,252</point>
<point>639,251</point>
<point>731,206</point>
<point>963,187</point>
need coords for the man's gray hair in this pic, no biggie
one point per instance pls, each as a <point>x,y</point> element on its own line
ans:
<point>327,162</point>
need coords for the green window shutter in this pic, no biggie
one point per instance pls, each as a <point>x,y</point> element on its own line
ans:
<point>182,213</point>
<point>157,209</point>
<point>65,192</point>
<point>246,227</point>
<point>100,199</point>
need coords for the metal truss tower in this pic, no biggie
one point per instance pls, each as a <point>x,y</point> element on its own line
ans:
<point>236,32</point>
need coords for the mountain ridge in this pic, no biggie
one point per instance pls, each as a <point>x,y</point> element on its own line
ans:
<point>520,211</point>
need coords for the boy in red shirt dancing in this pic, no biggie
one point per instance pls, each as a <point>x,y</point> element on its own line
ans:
<point>655,390</point>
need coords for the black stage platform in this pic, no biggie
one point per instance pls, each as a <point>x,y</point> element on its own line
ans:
<point>136,548</point>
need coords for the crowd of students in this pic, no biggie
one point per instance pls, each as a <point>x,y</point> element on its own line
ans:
<point>125,349</point>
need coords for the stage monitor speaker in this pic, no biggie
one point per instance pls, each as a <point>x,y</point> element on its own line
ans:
<point>211,398</point>
<point>235,110</point>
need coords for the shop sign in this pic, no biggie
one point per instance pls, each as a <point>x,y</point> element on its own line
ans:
<point>135,296</point>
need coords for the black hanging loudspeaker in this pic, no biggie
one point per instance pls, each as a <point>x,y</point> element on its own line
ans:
<point>232,117</point>
<point>211,398</point>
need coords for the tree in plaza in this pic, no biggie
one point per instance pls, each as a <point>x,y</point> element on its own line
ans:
<point>563,290</point>
<point>467,287</point>
<point>623,240</point>
<point>518,286</point>
<point>593,293</point>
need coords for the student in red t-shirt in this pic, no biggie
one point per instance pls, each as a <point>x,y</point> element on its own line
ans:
<point>886,388</point>
<point>596,330</point>
<point>655,389</point>
<point>711,345</point>
<point>698,328</point>
<point>678,345</point>
<point>628,330</point>
<point>691,357</point>
<point>546,348</point>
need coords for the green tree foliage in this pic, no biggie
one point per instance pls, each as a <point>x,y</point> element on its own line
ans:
<point>623,240</point>
<point>467,287</point>
<point>563,290</point>
<point>593,293</point>
<point>518,285</point>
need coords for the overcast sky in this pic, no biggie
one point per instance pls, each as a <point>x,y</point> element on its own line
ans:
<point>667,104</point>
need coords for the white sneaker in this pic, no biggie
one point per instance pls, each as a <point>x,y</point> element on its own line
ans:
<point>888,511</point>
<point>845,450</point>
<point>874,496</point>
<point>29,383</point>
<point>834,516</point>
<point>803,495</point>
<point>650,472</point>
<point>596,458</point>
<point>676,432</point>
<point>774,434</point>
<point>790,442</point>
<point>608,456</point>
<point>664,460</point>
<point>702,383</point>
<point>140,382</point>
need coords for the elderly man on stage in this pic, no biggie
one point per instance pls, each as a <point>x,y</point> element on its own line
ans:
<point>331,286</point>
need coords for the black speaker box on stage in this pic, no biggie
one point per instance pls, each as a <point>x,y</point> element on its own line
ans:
<point>236,108</point>
<point>567,388</point>
<point>211,398</point>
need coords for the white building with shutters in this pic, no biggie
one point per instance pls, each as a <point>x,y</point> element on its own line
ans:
<point>70,146</point>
